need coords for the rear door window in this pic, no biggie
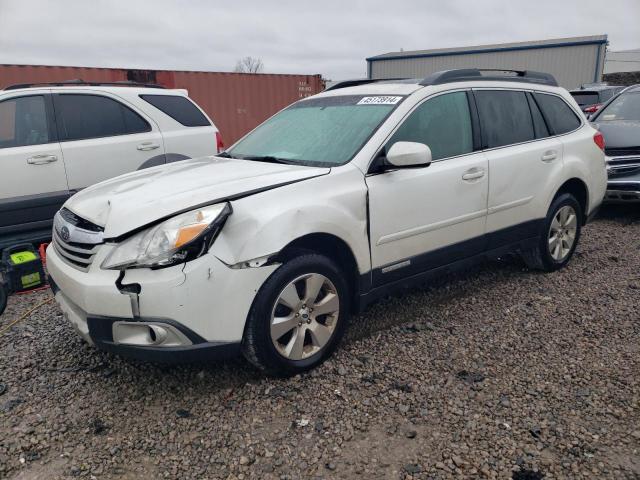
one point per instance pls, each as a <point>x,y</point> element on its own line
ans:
<point>505,117</point>
<point>23,121</point>
<point>81,116</point>
<point>181,109</point>
<point>559,116</point>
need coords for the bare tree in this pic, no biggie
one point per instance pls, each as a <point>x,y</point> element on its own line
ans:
<point>249,65</point>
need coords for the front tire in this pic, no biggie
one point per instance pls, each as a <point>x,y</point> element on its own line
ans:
<point>298,316</point>
<point>559,235</point>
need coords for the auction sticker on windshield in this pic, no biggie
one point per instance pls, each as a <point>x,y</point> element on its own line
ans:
<point>386,100</point>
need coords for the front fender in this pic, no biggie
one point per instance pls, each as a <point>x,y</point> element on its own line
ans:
<point>263,224</point>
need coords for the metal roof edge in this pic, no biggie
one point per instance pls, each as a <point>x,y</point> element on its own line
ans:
<point>29,65</point>
<point>488,50</point>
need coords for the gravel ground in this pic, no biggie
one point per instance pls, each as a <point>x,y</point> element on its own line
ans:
<point>500,373</point>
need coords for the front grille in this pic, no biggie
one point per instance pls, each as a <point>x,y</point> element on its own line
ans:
<point>624,187</point>
<point>79,222</point>
<point>75,239</point>
<point>77,254</point>
<point>618,167</point>
<point>620,152</point>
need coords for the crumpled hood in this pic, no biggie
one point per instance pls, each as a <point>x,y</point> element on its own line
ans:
<point>131,201</point>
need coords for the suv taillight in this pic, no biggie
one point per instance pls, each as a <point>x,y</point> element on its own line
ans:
<point>598,138</point>
<point>593,108</point>
<point>219,142</point>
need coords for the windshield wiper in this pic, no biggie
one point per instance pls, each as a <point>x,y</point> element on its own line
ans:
<point>266,158</point>
<point>224,155</point>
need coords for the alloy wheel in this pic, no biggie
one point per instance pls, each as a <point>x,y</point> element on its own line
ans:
<point>562,233</point>
<point>304,316</point>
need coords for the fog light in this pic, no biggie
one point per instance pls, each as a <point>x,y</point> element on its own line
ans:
<point>157,334</point>
<point>148,334</point>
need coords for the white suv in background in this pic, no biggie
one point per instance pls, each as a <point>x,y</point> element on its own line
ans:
<point>56,139</point>
<point>334,201</point>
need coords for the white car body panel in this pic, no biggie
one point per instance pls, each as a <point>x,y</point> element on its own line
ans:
<point>332,204</point>
<point>519,180</point>
<point>423,209</point>
<point>19,177</point>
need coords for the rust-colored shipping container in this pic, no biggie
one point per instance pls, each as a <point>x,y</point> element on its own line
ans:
<point>236,102</point>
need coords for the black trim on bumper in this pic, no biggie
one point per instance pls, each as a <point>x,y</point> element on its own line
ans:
<point>53,285</point>
<point>201,352</point>
<point>101,332</point>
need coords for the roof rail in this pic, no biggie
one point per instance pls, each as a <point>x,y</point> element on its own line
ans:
<point>359,81</point>
<point>474,74</point>
<point>79,82</point>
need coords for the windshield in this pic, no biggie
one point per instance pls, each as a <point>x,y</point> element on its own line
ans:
<point>325,131</point>
<point>625,107</point>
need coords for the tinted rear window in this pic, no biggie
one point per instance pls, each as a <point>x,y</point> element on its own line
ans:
<point>179,108</point>
<point>539,125</point>
<point>23,121</point>
<point>82,116</point>
<point>505,117</point>
<point>586,98</point>
<point>559,116</point>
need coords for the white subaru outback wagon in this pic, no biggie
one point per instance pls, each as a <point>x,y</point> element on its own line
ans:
<point>267,248</point>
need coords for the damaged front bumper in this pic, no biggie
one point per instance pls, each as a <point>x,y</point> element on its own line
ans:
<point>191,312</point>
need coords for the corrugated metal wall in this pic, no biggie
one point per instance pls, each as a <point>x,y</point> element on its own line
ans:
<point>571,65</point>
<point>236,102</point>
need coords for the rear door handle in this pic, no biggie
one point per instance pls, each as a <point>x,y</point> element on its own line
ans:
<point>42,159</point>
<point>473,174</point>
<point>146,146</point>
<point>549,156</point>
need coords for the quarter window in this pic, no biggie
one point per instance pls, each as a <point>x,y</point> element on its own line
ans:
<point>443,123</point>
<point>560,117</point>
<point>23,121</point>
<point>81,116</point>
<point>505,117</point>
<point>539,125</point>
<point>181,109</point>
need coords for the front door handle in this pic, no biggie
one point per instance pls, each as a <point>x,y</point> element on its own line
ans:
<point>146,146</point>
<point>42,159</point>
<point>549,156</point>
<point>473,174</point>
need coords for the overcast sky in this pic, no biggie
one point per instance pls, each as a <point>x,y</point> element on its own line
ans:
<point>331,37</point>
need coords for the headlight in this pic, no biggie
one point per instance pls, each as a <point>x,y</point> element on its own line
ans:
<point>179,239</point>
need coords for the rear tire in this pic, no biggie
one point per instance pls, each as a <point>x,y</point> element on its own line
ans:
<point>559,235</point>
<point>298,316</point>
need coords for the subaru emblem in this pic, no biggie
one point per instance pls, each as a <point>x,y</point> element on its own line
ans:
<point>64,233</point>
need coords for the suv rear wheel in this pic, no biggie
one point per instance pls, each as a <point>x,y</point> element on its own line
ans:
<point>297,317</point>
<point>559,236</point>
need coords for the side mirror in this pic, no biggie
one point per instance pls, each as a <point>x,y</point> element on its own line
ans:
<point>409,154</point>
